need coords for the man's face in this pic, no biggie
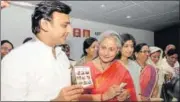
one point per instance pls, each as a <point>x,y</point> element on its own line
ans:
<point>5,49</point>
<point>59,28</point>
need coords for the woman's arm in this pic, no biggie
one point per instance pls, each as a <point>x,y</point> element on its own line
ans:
<point>155,91</point>
<point>156,88</point>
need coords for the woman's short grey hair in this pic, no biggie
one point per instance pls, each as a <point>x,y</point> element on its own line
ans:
<point>110,34</point>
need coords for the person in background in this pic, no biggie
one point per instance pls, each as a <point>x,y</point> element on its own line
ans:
<point>148,76</point>
<point>168,47</point>
<point>66,49</point>
<point>27,39</point>
<point>4,4</point>
<point>155,59</point>
<point>128,43</point>
<point>108,73</point>
<point>171,90</point>
<point>171,71</point>
<point>170,66</point>
<point>39,71</point>
<point>90,47</point>
<point>6,47</point>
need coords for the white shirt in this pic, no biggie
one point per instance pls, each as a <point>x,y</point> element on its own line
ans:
<point>31,73</point>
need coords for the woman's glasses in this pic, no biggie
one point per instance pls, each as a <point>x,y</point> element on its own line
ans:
<point>145,51</point>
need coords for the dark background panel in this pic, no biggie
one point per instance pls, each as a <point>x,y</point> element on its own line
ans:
<point>169,35</point>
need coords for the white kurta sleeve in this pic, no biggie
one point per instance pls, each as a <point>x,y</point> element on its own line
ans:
<point>13,79</point>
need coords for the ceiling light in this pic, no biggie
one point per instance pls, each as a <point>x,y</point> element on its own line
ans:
<point>22,3</point>
<point>102,6</point>
<point>128,16</point>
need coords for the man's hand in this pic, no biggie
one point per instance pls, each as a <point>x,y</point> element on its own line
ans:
<point>70,93</point>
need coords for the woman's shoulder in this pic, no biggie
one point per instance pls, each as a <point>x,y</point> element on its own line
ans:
<point>90,63</point>
<point>93,67</point>
<point>150,67</point>
<point>118,63</point>
<point>133,63</point>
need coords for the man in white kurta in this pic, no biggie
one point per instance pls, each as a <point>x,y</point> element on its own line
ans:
<point>39,71</point>
<point>31,72</point>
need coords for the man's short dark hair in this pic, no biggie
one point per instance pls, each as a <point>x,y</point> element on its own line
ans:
<point>44,10</point>
<point>7,41</point>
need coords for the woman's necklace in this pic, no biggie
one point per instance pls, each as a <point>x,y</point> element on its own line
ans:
<point>142,66</point>
<point>103,67</point>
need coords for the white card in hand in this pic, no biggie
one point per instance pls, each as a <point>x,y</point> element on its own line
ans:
<point>82,76</point>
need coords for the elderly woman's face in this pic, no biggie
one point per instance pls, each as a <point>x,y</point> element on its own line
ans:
<point>108,49</point>
<point>143,54</point>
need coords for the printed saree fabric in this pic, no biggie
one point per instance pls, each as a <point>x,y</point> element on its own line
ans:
<point>115,74</point>
<point>148,79</point>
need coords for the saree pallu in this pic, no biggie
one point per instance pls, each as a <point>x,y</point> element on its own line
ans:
<point>148,80</point>
<point>115,74</point>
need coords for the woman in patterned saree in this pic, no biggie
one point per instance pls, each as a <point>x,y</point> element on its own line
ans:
<point>108,74</point>
<point>148,76</point>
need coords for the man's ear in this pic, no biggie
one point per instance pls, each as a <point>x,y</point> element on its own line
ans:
<point>44,25</point>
